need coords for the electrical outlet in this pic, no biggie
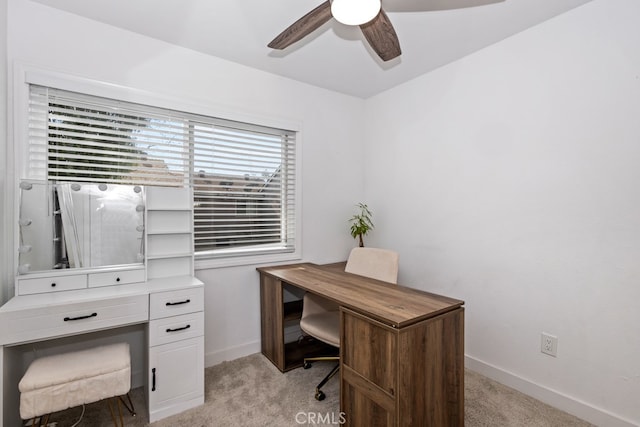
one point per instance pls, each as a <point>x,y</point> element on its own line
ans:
<point>549,344</point>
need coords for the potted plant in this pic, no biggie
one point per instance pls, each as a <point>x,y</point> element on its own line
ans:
<point>361,223</point>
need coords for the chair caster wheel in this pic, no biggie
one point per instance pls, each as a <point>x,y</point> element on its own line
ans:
<point>306,365</point>
<point>320,395</point>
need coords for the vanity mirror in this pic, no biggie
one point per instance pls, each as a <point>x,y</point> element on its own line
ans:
<point>79,225</point>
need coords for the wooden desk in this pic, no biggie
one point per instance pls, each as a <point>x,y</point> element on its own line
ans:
<point>401,353</point>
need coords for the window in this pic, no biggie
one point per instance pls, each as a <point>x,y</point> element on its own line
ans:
<point>244,189</point>
<point>243,175</point>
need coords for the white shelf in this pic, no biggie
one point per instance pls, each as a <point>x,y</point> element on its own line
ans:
<point>162,245</point>
<point>174,255</point>
<point>169,209</point>
<point>169,198</point>
<point>169,232</point>
<point>167,267</point>
<point>169,222</point>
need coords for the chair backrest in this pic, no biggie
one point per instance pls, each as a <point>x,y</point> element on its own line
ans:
<point>375,263</point>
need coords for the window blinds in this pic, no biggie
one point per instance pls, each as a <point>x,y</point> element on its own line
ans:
<point>243,175</point>
<point>244,188</point>
<point>85,138</point>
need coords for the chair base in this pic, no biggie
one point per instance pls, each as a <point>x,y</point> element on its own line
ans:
<point>307,364</point>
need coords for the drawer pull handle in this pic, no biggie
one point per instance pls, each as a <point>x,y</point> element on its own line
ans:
<point>117,279</point>
<point>66,319</point>
<point>179,302</point>
<point>153,380</point>
<point>53,285</point>
<point>178,329</point>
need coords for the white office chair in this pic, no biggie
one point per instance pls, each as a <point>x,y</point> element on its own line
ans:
<point>321,317</point>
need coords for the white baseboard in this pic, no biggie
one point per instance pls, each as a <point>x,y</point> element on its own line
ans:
<point>231,353</point>
<point>211,359</point>
<point>580,409</point>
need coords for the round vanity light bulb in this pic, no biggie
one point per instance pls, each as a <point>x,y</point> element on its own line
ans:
<point>24,221</point>
<point>137,189</point>
<point>26,185</point>
<point>75,186</point>
<point>355,12</point>
<point>102,187</point>
<point>140,228</point>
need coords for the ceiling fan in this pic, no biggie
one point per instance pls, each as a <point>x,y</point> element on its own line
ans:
<point>367,14</point>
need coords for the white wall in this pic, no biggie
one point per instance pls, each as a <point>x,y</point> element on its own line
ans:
<point>4,228</point>
<point>509,179</point>
<point>331,133</point>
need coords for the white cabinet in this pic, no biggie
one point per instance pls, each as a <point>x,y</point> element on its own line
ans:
<point>37,317</point>
<point>74,279</point>
<point>176,325</point>
<point>176,379</point>
<point>111,278</point>
<point>175,303</point>
<point>176,352</point>
<point>39,285</point>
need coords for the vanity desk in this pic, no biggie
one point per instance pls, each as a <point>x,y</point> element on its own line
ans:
<point>158,302</point>
<point>170,309</point>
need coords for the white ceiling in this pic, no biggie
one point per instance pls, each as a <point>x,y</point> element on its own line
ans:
<point>431,32</point>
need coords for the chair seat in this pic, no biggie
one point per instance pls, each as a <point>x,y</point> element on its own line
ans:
<point>324,326</point>
<point>54,383</point>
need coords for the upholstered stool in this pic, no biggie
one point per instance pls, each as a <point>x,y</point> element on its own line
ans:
<point>54,383</point>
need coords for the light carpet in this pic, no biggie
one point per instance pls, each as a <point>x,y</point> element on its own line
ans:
<point>251,392</point>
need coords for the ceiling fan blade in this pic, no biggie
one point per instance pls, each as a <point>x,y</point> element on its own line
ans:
<point>303,26</point>
<point>382,37</point>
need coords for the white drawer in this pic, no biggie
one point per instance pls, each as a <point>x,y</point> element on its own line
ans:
<point>58,320</point>
<point>110,278</point>
<point>51,284</point>
<point>174,303</point>
<point>175,328</point>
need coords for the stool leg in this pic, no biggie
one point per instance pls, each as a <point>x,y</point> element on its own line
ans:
<point>130,407</point>
<point>113,417</point>
<point>120,412</point>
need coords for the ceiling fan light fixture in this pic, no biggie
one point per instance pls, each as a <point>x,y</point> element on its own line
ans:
<point>355,12</point>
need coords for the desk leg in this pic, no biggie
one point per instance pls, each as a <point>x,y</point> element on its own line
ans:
<point>272,320</point>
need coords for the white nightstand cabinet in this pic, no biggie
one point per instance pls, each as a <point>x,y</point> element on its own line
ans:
<point>176,352</point>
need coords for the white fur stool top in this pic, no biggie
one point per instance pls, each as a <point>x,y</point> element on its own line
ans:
<point>54,383</point>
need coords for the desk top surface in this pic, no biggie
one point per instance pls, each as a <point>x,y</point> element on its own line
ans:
<point>395,305</point>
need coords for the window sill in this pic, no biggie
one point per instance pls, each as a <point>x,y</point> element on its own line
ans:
<point>210,263</point>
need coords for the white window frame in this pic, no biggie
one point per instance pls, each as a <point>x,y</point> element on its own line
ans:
<point>25,75</point>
